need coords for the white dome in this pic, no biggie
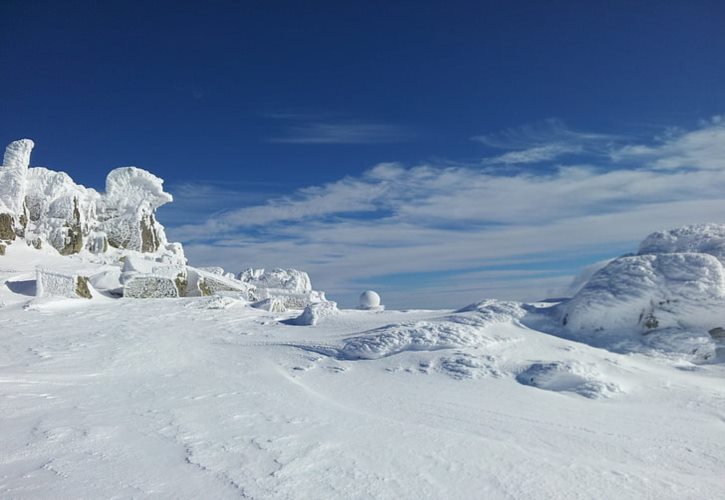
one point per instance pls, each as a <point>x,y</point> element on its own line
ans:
<point>369,300</point>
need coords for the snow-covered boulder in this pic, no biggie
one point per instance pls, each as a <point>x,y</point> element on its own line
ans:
<point>150,287</point>
<point>290,286</point>
<point>136,266</point>
<point>204,283</point>
<point>289,280</point>
<point>316,312</point>
<point>645,292</point>
<point>55,284</point>
<point>667,298</point>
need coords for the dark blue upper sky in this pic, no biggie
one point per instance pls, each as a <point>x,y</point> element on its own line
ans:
<point>237,103</point>
<point>195,90</point>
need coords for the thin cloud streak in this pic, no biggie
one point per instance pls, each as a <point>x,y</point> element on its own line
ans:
<point>342,133</point>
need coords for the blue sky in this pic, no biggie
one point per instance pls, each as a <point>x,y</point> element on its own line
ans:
<point>441,152</point>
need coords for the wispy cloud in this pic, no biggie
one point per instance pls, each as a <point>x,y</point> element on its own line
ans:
<point>540,142</point>
<point>306,127</point>
<point>342,133</point>
<point>460,221</point>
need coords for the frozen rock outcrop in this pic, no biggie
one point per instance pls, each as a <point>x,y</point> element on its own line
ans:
<point>48,208</point>
<point>54,284</point>
<point>13,179</point>
<point>289,280</point>
<point>204,283</point>
<point>150,287</point>
<point>668,297</point>
<point>291,287</point>
<point>128,208</point>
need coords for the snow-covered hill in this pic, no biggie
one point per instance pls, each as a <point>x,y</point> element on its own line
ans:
<point>226,388</point>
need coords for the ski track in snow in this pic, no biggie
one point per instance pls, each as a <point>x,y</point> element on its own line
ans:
<point>152,398</point>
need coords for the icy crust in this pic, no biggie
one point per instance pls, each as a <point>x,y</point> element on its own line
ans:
<point>696,238</point>
<point>464,328</point>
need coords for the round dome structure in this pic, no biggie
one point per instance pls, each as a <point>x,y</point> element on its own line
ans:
<point>369,300</point>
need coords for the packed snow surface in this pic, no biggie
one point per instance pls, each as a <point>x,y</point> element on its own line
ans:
<point>209,397</point>
<point>206,397</point>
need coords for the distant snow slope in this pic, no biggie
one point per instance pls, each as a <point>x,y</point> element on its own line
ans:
<point>206,397</point>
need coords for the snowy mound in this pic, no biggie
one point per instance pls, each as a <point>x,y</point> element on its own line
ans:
<point>465,328</point>
<point>645,292</point>
<point>314,313</point>
<point>568,376</point>
<point>667,298</point>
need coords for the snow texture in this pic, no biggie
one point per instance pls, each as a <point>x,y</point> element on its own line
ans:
<point>207,397</point>
<point>696,238</point>
<point>568,376</point>
<point>465,328</point>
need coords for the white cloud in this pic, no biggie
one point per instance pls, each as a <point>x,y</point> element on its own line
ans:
<point>699,149</point>
<point>455,224</point>
<point>540,142</point>
<point>342,133</point>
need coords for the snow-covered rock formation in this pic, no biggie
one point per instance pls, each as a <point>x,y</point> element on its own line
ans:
<point>291,288</point>
<point>668,296</point>
<point>13,179</point>
<point>49,208</point>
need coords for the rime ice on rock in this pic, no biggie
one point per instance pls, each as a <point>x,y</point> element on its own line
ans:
<point>54,284</point>
<point>13,177</point>
<point>128,209</point>
<point>47,207</point>
<point>150,287</point>
<point>667,297</point>
<point>290,286</point>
